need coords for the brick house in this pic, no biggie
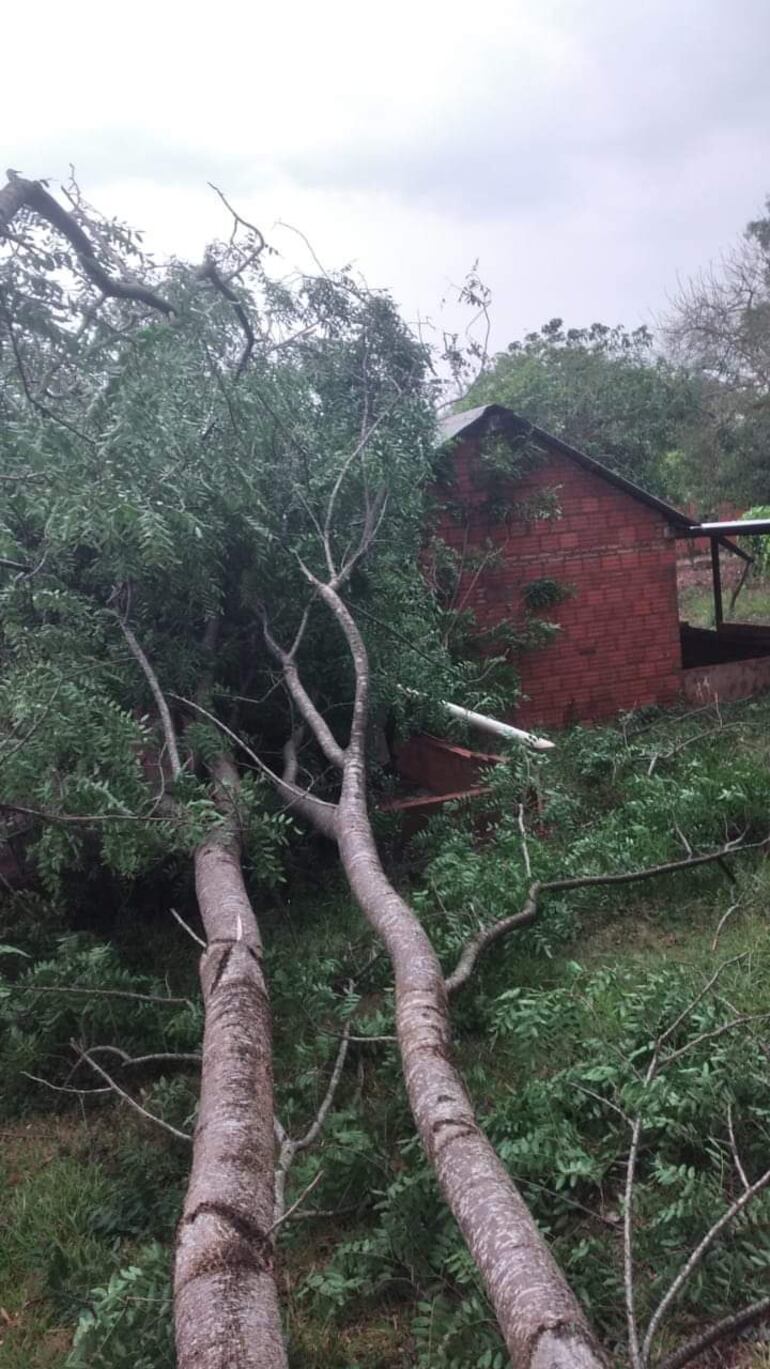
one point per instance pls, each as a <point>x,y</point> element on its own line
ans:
<point>613,547</point>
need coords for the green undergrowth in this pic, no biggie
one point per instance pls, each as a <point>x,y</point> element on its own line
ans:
<point>556,1033</point>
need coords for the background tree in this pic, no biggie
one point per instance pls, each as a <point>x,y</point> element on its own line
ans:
<point>603,389</point>
<point>719,329</point>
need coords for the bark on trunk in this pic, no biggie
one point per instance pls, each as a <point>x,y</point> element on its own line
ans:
<point>539,1316</point>
<point>541,1321</point>
<point>225,1301</point>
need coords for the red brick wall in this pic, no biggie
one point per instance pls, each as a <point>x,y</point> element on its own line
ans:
<point>618,646</point>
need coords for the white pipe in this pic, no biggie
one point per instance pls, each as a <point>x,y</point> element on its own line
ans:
<point>499,729</point>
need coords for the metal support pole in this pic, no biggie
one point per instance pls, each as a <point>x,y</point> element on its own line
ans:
<point>717,577</point>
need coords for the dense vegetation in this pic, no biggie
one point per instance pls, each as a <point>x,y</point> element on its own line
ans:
<point>604,390</point>
<point>213,480</point>
<point>554,1034</point>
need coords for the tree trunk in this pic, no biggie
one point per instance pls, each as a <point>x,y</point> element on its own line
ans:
<point>540,1319</point>
<point>225,1300</point>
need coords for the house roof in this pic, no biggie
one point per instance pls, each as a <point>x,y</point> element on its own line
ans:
<point>496,417</point>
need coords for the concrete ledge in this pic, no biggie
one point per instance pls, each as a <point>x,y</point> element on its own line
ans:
<point>729,681</point>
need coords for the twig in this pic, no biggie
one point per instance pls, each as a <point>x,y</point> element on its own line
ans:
<point>328,1212</point>
<point>324,814</point>
<point>728,1326</point>
<point>688,741</point>
<point>314,1130</point>
<point>698,1255</point>
<point>723,920</point>
<point>64,1088</point>
<point>640,1358</point>
<point>83,819</point>
<point>284,1216</point>
<point>289,1147</point>
<point>524,846</point>
<point>628,1231</point>
<point>178,918</point>
<point>252,228</point>
<point>712,1035</point>
<point>158,1057</point>
<point>101,993</point>
<point>359,1040</point>
<point>734,1147</point>
<point>132,1103</point>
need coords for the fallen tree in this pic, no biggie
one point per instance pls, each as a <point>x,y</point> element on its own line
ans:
<point>251,452</point>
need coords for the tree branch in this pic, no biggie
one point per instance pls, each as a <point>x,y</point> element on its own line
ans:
<point>209,271</point>
<point>728,1326</point>
<point>99,993</point>
<point>488,935</point>
<point>289,1147</point>
<point>166,722</point>
<point>318,725</point>
<point>321,814</point>
<point>132,1103</point>
<point>20,193</point>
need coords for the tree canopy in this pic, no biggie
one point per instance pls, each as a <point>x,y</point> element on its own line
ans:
<point>719,329</point>
<point>605,390</point>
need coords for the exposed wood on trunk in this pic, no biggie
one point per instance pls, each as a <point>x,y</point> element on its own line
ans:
<point>226,1304</point>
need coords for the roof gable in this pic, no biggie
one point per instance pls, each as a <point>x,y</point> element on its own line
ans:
<point>498,418</point>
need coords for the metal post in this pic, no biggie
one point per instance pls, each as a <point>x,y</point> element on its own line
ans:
<point>717,577</point>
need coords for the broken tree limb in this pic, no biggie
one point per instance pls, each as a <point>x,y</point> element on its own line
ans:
<point>493,725</point>
<point>498,729</point>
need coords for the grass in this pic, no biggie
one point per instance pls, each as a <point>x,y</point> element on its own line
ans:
<point>49,1257</point>
<point>696,604</point>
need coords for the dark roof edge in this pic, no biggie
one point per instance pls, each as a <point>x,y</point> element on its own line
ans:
<point>476,419</point>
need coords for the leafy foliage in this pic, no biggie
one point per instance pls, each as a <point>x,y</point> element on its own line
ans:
<point>602,389</point>
<point>129,1319</point>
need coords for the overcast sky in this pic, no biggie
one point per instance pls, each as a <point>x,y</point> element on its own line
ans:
<point>587,152</point>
